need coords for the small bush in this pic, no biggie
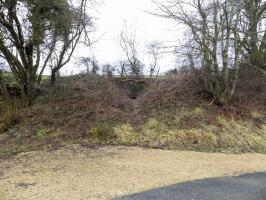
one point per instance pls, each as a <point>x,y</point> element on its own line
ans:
<point>156,134</point>
<point>125,134</point>
<point>102,130</point>
<point>41,134</point>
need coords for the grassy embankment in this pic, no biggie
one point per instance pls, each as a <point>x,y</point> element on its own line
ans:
<point>171,113</point>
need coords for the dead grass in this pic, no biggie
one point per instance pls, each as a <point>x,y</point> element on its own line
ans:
<point>223,134</point>
<point>75,103</point>
<point>11,112</point>
<point>75,109</point>
<point>177,115</point>
<point>174,114</point>
<point>173,91</point>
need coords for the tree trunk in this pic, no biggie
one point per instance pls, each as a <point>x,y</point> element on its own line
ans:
<point>53,77</point>
<point>29,90</point>
<point>224,97</point>
<point>3,87</point>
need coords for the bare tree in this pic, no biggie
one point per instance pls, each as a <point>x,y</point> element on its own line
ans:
<point>129,45</point>
<point>255,21</point>
<point>108,70</point>
<point>32,33</point>
<point>95,66</point>
<point>219,33</point>
<point>22,38</point>
<point>77,32</point>
<point>85,62</point>
<point>122,68</point>
<point>3,85</point>
<point>91,64</point>
<point>154,50</point>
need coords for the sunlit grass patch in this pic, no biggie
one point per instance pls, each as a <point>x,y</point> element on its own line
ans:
<point>102,130</point>
<point>125,134</point>
<point>223,134</point>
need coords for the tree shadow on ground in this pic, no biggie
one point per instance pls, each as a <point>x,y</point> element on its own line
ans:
<point>245,187</point>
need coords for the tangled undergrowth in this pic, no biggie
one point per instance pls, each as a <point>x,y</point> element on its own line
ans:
<point>172,113</point>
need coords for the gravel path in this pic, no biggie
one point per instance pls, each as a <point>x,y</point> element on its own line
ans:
<point>77,172</point>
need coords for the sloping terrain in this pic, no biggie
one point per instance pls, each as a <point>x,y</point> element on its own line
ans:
<point>171,113</point>
<point>75,102</point>
<point>177,114</point>
<point>66,113</point>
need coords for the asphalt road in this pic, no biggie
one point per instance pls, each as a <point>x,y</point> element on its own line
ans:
<point>245,187</point>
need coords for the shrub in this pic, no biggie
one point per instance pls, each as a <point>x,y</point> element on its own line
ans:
<point>11,113</point>
<point>125,134</point>
<point>156,134</point>
<point>41,133</point>
<point>102,130</point>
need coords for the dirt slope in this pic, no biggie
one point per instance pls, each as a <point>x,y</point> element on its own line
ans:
<point>76,172</point>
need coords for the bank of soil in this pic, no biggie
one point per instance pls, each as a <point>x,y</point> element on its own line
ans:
<point>76,172</point>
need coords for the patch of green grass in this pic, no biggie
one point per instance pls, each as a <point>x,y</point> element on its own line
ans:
<point>41,133</point>
<point>125,134</point>
<point>224,134</point>
<point>102,130</point>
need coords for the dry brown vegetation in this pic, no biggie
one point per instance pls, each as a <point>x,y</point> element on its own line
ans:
<point>172,113</point>
<point>11,112</point>
<point>66,113</point>
<point>74,102</point>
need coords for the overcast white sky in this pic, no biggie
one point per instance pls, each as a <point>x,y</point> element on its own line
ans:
<point>111,15</point>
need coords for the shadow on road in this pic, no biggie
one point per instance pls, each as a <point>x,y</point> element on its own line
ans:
<point>245,187</point>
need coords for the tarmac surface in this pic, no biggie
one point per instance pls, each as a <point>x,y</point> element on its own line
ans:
<point>245,187</point>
